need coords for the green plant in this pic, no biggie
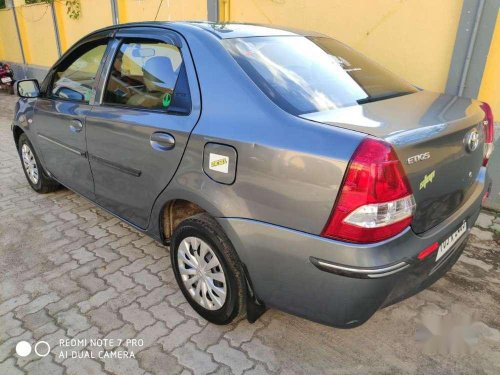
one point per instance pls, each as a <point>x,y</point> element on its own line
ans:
<point>73,7</point>
<point>2,4</point>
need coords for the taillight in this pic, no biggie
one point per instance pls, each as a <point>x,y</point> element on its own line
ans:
<point>375,201</point>
<point>488,126</point>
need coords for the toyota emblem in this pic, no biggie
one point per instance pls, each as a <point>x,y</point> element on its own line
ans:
<point>472,140</point>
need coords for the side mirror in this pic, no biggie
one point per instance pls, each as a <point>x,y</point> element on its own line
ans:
<point>70,94</point>
<point>28,88</point>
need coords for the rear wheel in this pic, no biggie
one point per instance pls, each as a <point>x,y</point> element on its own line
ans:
<point>207,269</point>
<point>32,168</point>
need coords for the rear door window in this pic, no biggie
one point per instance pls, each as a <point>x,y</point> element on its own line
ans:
<point>144,74</point>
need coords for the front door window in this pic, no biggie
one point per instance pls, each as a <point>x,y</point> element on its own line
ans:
<point>75,77</point>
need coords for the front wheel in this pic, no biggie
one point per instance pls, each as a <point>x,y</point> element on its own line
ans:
<point>208,270</point>
<point>32,168</point>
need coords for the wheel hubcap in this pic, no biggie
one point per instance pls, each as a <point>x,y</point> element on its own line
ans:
<point>202,273</point>
<point>29,163</point>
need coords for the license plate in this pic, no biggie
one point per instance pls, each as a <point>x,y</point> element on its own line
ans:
<point>6,79</point>
<point>450,241</point>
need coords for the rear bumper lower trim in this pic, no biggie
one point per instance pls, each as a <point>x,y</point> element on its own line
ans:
<point>359,272</point>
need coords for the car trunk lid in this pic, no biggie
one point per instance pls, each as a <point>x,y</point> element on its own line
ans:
<point>431,134</point>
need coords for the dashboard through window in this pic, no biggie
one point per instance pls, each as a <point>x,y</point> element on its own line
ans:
<point>144,75</point>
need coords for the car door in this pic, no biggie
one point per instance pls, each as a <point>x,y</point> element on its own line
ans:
<point>137,132</point>
<point>60,116</point>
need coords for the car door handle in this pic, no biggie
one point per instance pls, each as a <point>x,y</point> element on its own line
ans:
<point>75,126</point>
<point>162,141</point>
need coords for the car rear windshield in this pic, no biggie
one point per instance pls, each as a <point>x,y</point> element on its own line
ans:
<point>313,74</point>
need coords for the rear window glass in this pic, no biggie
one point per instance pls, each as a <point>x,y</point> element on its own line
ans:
<point>305,75</point>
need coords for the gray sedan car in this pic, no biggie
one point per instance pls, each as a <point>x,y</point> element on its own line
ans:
<point>283,168</point>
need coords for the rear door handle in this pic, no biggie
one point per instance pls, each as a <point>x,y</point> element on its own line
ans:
<point>75,126</point>
<point>162,141</point>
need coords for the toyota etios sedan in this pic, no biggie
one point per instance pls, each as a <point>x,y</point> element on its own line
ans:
<point>283,168</point>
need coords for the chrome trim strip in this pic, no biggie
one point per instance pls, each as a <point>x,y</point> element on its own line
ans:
<point>359,272</point>
<point>362,270</point>
<point>73,150</point>
<point>374,276</point>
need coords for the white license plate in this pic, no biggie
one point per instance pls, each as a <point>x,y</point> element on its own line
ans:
<point>6,79</point>
<point>450,241</point>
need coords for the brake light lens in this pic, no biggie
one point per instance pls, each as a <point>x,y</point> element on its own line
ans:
<point>375,201</point>
<point>488,126</point>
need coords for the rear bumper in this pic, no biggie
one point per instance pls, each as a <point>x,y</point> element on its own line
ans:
<point>341,284</point>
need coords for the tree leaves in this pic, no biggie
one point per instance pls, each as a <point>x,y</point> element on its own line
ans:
<point>73,7</point>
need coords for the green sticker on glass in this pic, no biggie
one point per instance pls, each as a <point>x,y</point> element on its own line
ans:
<point>167,99</point>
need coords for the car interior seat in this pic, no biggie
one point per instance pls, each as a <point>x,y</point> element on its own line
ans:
<point>159,80</point>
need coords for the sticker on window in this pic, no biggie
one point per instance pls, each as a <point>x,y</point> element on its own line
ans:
<point>219,163</point>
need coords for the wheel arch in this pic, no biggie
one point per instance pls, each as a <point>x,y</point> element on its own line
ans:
<point>174,212</point>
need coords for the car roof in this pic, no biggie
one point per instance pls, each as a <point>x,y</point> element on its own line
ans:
<point>244,30</point>
<point>220,30</point>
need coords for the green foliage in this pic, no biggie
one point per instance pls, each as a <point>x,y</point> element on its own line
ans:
<point>73,7</point>
<point>2,4</point>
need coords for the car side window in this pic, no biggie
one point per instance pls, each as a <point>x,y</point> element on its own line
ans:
<point>75,76</point>
<point>144,74</point>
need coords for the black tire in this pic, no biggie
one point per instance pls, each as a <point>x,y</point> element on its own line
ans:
<point>44,184</point>
<point>208,230</point>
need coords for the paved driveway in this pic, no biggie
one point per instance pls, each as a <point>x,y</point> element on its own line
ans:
<point>69,270</point>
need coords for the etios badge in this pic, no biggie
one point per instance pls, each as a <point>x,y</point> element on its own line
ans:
<point>416,158</point>
<point>472,140</point>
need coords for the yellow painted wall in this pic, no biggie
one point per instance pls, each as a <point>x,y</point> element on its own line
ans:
<point>171,10</point>
<point>95,14</point>
<point>37,34</point>
<point>9,42</point>
<point>412,38</point>
<point>490,84</point>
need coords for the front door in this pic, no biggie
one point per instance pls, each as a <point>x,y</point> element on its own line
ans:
<point>136,136</point>
<point>60,117</point>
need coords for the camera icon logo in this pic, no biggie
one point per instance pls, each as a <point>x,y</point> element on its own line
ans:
<point>23,348</point>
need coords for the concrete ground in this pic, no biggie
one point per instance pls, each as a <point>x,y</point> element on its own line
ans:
<point>70,270</point>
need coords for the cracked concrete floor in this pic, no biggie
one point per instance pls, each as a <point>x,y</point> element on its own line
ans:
<point>70,270</point>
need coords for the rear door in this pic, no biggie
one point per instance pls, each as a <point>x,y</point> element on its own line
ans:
<point>147,106</point>
<point>60,116</point>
